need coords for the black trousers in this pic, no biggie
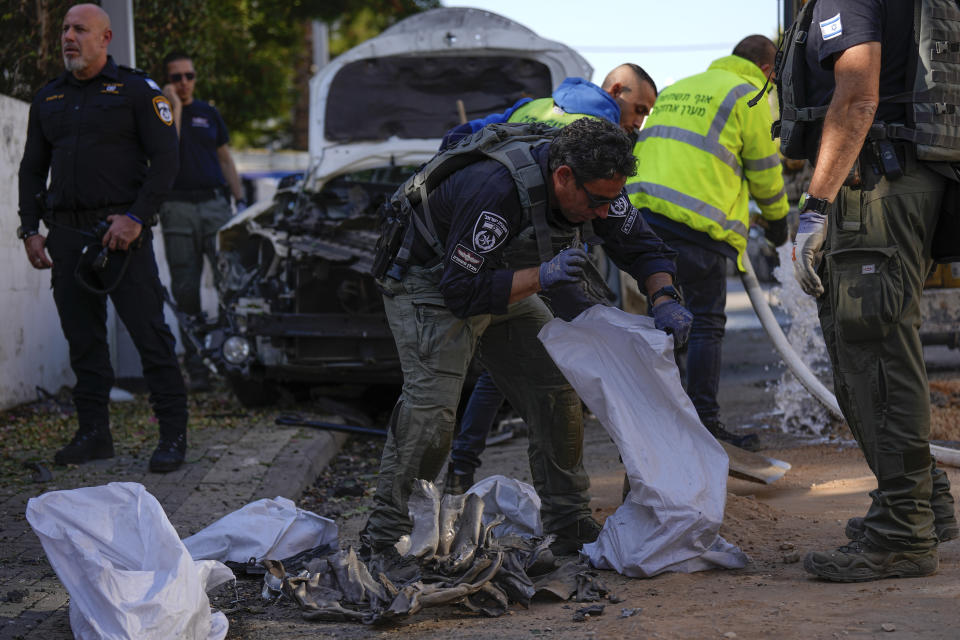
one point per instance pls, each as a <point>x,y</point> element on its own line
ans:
<point>138,299</point>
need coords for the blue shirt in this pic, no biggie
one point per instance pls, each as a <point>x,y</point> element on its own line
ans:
<point>202,132</point>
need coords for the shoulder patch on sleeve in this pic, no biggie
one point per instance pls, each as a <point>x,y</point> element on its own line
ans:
<point>153,85</point>
<point>489,232</point>
<point>831,27</point>
<point>627,225</point>
<point>467,259</point>
<point>163,110</point>
<point>619,207</point>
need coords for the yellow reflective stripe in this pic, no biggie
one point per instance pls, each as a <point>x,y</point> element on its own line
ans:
<point>703,143</point>
<point>761,164</point>
<point>772,199</point>
<point>726,107</point>
<point>690,203</point>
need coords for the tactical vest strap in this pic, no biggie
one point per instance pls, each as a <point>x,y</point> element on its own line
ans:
<point>805,114</point>
<point>511,145</point>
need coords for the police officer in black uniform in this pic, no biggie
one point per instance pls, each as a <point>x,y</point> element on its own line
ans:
<point>106,135</point>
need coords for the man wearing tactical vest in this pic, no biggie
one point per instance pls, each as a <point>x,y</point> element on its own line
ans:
<point>702,155</point>
<point>465,284</point>
<point>626,97</point>
<point>883,154</point>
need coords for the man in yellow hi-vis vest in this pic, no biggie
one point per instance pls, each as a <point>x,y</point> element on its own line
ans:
<point>703,153</point>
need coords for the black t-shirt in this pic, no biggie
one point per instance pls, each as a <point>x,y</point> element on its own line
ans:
<point>838,25</point>
<point>202,132</point>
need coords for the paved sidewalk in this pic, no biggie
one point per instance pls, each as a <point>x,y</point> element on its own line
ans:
<point>225,469</point>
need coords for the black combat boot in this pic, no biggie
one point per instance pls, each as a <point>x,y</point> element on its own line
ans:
<point>169,454</point>
<point>458,481</point>
<point>87,444</point>
<point>748,441</point>
<point>573,536</point>
<point>945,529</point>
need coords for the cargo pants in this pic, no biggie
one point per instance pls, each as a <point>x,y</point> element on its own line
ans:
<point>435,349</point>
<point>189,234</point>
<point>877,255</point>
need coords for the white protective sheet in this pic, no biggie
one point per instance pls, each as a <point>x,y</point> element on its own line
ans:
<point>128,574</point>
<point>623,369</point>
<point>517,501</point>
<point>265,529</point>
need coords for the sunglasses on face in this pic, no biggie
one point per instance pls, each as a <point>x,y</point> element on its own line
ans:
<point>177,77</point>
<point>594,201</point>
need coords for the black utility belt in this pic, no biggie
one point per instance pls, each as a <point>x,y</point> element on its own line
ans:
<point>194,195</point>
<point>82,218</point>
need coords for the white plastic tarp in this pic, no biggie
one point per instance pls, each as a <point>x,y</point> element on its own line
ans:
<point>517,501</point>
<point>128,574</point>
<point>623,369</point>
<point>265,529</point>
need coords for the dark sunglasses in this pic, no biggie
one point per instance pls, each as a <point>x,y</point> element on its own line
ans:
<point>593,200</point>
<point>177,77</point>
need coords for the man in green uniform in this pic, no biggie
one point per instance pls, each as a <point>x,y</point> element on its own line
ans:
<point>863,248</point>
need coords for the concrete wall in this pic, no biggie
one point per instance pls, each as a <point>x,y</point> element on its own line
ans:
<point>33,351</point>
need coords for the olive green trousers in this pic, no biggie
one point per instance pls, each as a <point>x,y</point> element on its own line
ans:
<point>877,255</point>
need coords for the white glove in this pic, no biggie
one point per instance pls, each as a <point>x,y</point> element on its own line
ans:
<point>807,250</point>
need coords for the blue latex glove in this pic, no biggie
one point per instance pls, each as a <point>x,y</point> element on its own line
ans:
<point>565,267</point>
<point>671,317</point>
<point>807,250</point>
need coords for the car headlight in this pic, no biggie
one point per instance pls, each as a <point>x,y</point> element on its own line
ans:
<point>236,349</point>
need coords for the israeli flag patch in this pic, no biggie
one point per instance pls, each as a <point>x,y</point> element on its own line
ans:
<point>831,27</point>
<point>153,85</point>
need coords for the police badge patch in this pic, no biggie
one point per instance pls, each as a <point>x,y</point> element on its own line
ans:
<point>619,207</point>
<point>489,232</point>
<point>164,112</point>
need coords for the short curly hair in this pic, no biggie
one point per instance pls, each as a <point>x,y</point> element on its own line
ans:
<point>594,149</point>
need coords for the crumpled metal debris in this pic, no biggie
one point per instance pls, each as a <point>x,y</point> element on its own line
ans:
<point>450,557</point>
<point>582,614</point>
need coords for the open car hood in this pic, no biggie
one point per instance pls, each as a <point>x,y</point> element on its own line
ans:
<point>391,98</point>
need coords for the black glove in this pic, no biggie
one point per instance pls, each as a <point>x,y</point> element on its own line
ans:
<point>776,231</point>
<point>568,300</point>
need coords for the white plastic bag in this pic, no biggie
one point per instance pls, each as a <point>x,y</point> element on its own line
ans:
<point>623,369</point>
<point>128,574</point>
<point>265,529</point>
<point>517,501</point>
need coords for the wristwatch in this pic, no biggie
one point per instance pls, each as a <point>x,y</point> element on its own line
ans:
<point>666,290</point>
<point>23,234</point>
<point>809,203</point>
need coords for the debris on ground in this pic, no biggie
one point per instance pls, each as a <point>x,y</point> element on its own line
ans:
<point>581,615</point>
<point>450,557</point>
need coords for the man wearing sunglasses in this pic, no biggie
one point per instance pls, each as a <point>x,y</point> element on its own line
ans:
<point>198,206</point>
<point>467,287</point>
<point>703,154</point>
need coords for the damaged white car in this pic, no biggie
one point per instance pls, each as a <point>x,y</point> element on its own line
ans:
<point>297,304</point>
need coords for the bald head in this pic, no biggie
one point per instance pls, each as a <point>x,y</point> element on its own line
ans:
<point>635,93</point>
<point>758,49</point>
<point>84,39</point>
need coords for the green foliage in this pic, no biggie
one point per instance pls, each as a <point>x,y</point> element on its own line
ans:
<point>247,52</point>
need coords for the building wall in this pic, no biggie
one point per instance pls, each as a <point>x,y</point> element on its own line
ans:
<point>33,351</point>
